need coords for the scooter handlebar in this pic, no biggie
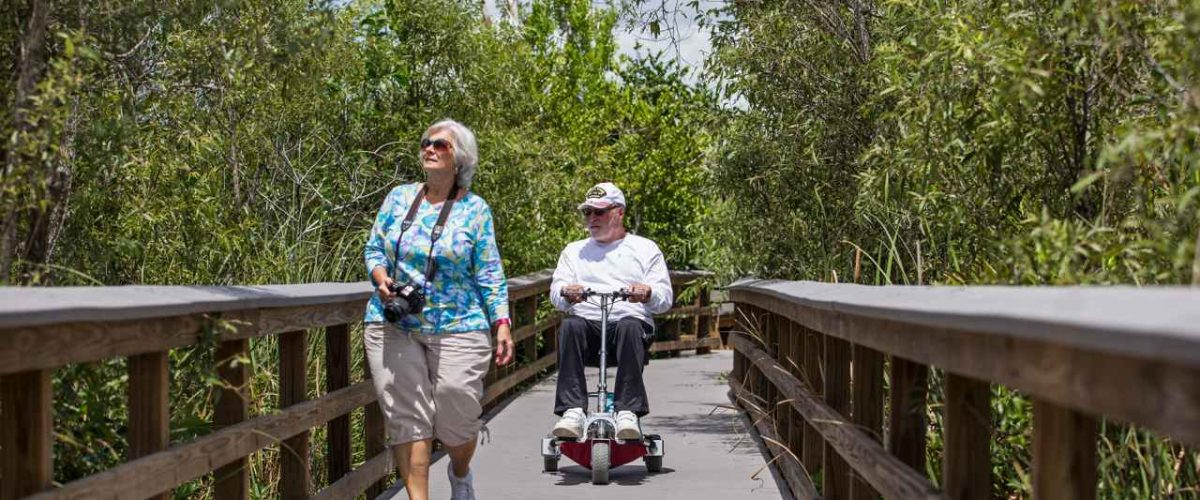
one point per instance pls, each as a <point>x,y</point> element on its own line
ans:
<point>588,293</point>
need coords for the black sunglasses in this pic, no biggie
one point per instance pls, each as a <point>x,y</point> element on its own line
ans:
<point>589,211</point>
<point>438,144</point>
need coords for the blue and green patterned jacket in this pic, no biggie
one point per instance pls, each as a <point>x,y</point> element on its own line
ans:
<point>468,291</point>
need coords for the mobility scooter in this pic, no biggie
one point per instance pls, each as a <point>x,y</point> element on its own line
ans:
<point>598,448</point>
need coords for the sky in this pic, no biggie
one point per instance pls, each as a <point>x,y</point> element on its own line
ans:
<point>680,37</point>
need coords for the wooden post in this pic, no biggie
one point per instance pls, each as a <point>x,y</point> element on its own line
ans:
<point>814,444</point>
<point>26,427</point>
<point>837,395</point>
<point>375,436</point>
<point>531,305</point>
<point>906,416</point>
<point>232,480</point>
<point>149,414</point>
<point>795,366</point>
<point>1064,453</point>
<point>294,474</point>
<point>867,381</point>
<point>967,467</point>
<point>337,376</point>
<point>705,321</point>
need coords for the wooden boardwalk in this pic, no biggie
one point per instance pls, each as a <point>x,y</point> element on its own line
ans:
<point>708,453</point>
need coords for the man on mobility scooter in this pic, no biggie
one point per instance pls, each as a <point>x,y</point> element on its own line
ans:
<point>610,260</point>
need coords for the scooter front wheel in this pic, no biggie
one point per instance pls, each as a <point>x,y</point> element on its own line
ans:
<point>601,456</point>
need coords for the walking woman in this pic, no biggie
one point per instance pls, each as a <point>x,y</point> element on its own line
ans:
<point>439,291</point>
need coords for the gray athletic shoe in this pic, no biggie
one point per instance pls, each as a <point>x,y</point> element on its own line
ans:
<point>461,488</point>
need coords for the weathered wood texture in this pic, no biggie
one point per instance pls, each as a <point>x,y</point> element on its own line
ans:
<point>26,425</point>
<point>337,376</point>
<point>149,414</point>
<point>1131,355</point>
<point>232,479</point>
<point>1064,453</point>
<point>906,411</point>
<point>42,329</point>
<point>367,474</point>
<point>867,380</point>
<point>161,471</point>
<point>294,474</point>
<point>884,472</point>
<point>788,463</point>
<point>967,462</point>
<point>837,398</point>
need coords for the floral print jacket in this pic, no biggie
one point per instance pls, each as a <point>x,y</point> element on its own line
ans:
<point>468,291</point>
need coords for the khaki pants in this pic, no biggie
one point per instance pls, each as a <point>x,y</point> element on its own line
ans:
<point>429,386</point>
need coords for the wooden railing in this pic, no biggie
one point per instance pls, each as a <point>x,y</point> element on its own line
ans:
<point>810,361</point>
<point>44,329</point>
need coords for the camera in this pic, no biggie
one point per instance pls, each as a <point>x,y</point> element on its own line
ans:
<point>407,299</point>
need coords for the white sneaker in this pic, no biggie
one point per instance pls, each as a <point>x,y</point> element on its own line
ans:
<point>571,424</point>
<point>461,488</point>
<point>627,425</point>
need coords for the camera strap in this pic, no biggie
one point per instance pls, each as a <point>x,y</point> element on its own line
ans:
<point>434,234</point>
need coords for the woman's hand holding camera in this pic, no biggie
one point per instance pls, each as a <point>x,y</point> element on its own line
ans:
<point>383,284</point>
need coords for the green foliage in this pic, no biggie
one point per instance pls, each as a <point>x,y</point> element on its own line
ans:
<point>967,143</point>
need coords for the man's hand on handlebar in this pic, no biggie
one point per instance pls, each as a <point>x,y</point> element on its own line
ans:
<point>639,293</point>
<point>573,293</point>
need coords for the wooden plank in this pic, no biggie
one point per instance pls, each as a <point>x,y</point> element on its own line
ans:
<point>287,319</point>
<point>232,479</point>
<point>497,389</point>
<point>149,400</point>
<point>26,430</point>
<point>529,284</point>
<point>1064,453</point>
<point>837,397</point>
<point>1158,393</point>
<point>337,376</point>
<point>51,346</point>
<point>906,416</point>
<point>967,462</point>
<point>33,306</point>
<point>354,483</point>
<point>164,470</point>
<point>867,381</point>
<point>684,343</point>
<point>884,472</point>
<point>798,481</point>
<point>295,477</point>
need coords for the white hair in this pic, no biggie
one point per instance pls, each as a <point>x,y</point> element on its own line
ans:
<point>466,152</point>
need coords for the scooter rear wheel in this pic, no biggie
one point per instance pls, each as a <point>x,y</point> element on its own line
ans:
<point>600,460</point>
<point>653,463</point>
<point>549,464</point>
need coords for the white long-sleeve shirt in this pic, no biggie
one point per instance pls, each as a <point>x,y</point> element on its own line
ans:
<point>610,267</point>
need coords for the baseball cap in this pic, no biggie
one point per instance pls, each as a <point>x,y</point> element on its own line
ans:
<point>603,195</point>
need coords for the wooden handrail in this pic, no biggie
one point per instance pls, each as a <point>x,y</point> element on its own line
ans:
<point>1081,353</point>
<point>42,329</point>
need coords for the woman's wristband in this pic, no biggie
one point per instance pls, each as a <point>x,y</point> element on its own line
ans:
<point>502,321</point>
